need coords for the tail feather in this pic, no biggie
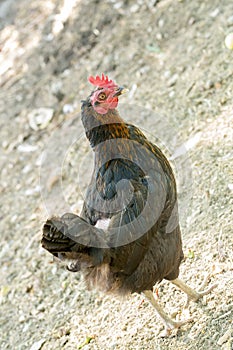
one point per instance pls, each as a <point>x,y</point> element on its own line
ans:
<point>56,239</point>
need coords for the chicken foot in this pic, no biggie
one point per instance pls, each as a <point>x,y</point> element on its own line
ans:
<point>167,321</point>
<point>191,293</point>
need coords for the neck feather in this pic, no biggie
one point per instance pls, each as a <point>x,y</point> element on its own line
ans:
<point>101,127</point>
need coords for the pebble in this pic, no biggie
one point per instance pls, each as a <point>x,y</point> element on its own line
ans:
<point>32,191</point>
<point>223,339</point>
<point>118,5</point>
<point>5,144</point>
<point>68,108</point>
<point>39,118</point>
<point>215,13</point>
<point>229,41</point>
<point>14,218</point>
<point>49,37</point>
<point>230,21</point>
<point>22,318</point>
<point>134,8</point>
<point>209,85</point>
<point>27,169</point>
<point>161,23</point>
<point>26,148</point>
<point>37,345</point>
<point>132,91</point>
<point>56,87</point>
<point>172,81</point>
<point>41,308</point>
<point>58,26</point>
<point>191,21</point>
<point>172,94</point>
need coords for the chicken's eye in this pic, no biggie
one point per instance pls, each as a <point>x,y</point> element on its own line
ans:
<point>102,96</point>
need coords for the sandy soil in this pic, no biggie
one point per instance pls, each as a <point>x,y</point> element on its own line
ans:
<point>171,55</point>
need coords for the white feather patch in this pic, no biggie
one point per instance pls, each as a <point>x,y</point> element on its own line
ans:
<point>103,224</point>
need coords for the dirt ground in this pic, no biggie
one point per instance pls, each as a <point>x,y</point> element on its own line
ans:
<point>172,57</point>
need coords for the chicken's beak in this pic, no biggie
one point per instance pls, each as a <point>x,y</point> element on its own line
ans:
<point>120,91</point>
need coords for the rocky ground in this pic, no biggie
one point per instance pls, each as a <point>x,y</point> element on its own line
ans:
<point>171,55</point>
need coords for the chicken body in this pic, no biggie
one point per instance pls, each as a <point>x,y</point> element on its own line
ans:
<point>127,237</point>
<point>137,251</point>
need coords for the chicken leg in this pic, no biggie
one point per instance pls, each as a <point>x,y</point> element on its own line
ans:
<point>168,322</point>
<point>191,293</point>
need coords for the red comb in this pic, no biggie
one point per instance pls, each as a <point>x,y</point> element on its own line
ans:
<point>101,81</point>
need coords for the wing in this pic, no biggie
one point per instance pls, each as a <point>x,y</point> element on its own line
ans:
<point>134,202</point>
<point>137,203</point>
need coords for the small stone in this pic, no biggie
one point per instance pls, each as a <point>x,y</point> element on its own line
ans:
<point>49,37</point>
<point>56,87</point>
<point>159,36</point>
<point>134,8</point>
<point>27,169</point>
<point>172,81</point>
<point>37,345</point>
<point>40,118</point>
<point>191,21</point>
<point>215,13</point>
<point>230,21</point>
<point>225,337</point>
<point>5,144</point>
<point>26,148</point>
<point>209,85</point>
<point>118,5</point>
<point>22,318</point>
<point>68,108</point>
<point>32,191</point>
<point>229,41</point>
<point>172,94</point>
<point>204,300</point>
<point>96,32</point>
<point>57,27</point>
<point>41,308</point>
<point>161,23</point>
<point>14,218</point>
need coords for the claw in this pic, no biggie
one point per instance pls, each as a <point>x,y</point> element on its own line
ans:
<point>191,293</point>
<point>171,325</point>
<point>167,321</point>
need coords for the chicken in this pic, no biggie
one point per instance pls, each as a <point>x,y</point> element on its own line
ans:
<point>127,237</point>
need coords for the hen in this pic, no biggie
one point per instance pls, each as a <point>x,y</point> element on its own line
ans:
<point>127,237</point>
